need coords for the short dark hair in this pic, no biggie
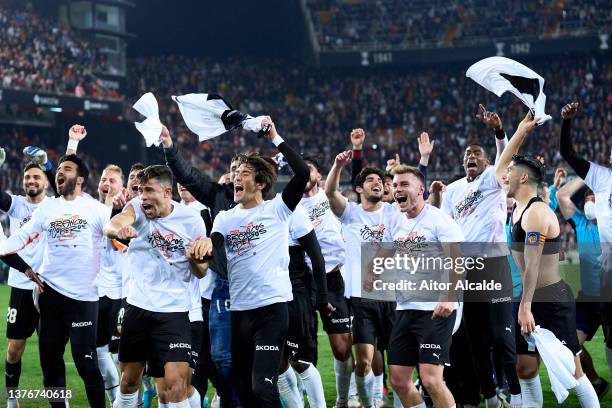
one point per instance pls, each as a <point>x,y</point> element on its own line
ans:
<point>365,172</point>
<point>312,160</point>
<point>32,165</point>
<point>475,143</point>
<point>238,157</point>
<point>588,192</point>
<point>264,171</point>
<point>161,173</point>
<point>272,163</point>
<point>82,170</point>
<point>137,166</point>
<point>532,165</point>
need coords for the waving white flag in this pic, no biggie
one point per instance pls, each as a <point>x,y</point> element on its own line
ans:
<point>500,75</point>
<point>209,115</point>
<point>151,127</point>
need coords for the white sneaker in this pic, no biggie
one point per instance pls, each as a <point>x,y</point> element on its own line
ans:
<point>378,403</point>
<point>216,402</point>
<point>353,402</point>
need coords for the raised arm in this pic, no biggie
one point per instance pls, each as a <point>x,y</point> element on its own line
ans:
<point>24,235</point>
<point>580,165</point>
<point>564,197</point>
<point>357,139</point>
<point>425,149</point>
<point>188,176</point>
<point>120,226</point>
<point>337,202</point>
<point>493,121</point>
<point>526,125</point>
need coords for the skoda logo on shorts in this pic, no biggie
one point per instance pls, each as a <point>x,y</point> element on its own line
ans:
<point>431,346</point>
<point>266,348</point>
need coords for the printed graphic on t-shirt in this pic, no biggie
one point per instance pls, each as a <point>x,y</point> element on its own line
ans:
<point>410,243</point>
<point>466,206</point>
<point>317,212</point>
<point>372,233</point>
<point>242,239</point>
<point>24,221</point>
<point>65,228</point>
<point>168,243</point>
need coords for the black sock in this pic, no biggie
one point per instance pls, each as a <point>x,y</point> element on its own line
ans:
<point>12,374</point>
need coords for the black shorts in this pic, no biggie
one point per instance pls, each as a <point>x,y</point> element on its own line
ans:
<point>108,310</point>
<point>340,320</point>
<point>588,315</point>
<point>146,336</point>
<point>419,339</point>
<point>113,346</point>
<point>22,317</point>
<point>496,269</point>
<point>301,341</point>
<point>155,368</point>
<point>557,314</point>
<point>372,320</point>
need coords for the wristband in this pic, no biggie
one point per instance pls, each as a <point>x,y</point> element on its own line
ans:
<point>277,140</point>
<point>73,144</point>
<point>500,134</point>
<point>357,154</point>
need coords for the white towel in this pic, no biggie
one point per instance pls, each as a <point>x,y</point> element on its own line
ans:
<point>151,127</point>
<point>558,359</point>
<point>500,74</point>
<point>209,115</point>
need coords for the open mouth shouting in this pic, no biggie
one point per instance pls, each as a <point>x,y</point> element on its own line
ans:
<point>400,198</point>
<point>238,191</point>
<point>61,181</point>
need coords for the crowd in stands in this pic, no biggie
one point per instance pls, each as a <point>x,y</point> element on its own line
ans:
<point>370,24</point>
<point>39,53</point>
<point>318,108</point>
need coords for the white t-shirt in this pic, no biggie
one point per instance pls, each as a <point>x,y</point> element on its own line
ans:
<point>157,259</point>
<point>195,311</point>
<point>363,226</point>
<point>299,225</point>
<point>19,213</point>
<point>71,258</point>
<point>328,230</point>
<point>599,179</point>
<point>257,246</point>
<point>422,236</point>
<point>206,283</point>
<point>479,208</point>
<point>110,277</point>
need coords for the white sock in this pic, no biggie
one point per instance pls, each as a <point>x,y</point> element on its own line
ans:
<point>311,379</point>
<point>147,383</point>
<point>397,403</point>
<point>182,404</point>
<point>126,400</point>
<point>421,405</point>
<point>516,400</point>
<point>343,370</point>
<point>609,359</point>
<point>531,391</point>
<point>493,402</point>
<point>586,393</point>
<point>353,386</point>
<point>287,388</point>
<point>109,372</point>
<point>12,403</point>
<point>377,388</point>
<point>364,388</point>
<point>115,357</point>
<point>161,404</point>
<point>195,401</point>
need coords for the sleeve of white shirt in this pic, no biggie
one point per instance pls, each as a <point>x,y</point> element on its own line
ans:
<point>448,230</point>
<point>489,178</point>
<point>199,230</point>
<point>598,178</point>
<point>280,208</point>
<point>24,235</point>
<point>300,223</point>
<point>15,202</point>
<point>345,217</point>
<point>447,205</point>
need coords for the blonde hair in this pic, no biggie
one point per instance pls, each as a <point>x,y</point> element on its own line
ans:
<point>405,169</point>
<point>115,168</point>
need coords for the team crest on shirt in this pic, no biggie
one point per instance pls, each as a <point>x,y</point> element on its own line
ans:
<point>410,243</point>
<point>242,239</point>
<point>466,206</point>
<point>317,212</point>
<point>372,233</point>
<point>24,221</point>
<point>65,228</point>
<point>168,243</point>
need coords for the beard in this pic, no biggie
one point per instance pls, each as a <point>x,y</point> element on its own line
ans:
<point>34,193</point>
<point>68,187</point>
<point>374,199</point>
